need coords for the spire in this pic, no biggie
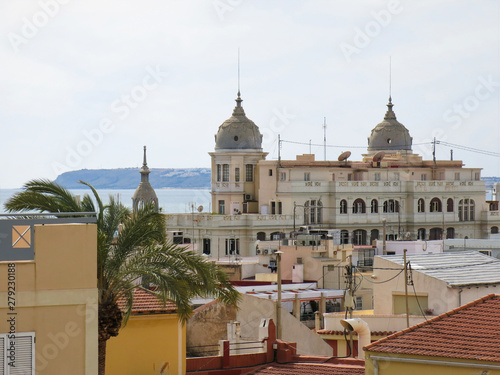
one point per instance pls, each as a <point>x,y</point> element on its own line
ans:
<point>238,110</point>
<point>390,115</point>
<point>144,170</point>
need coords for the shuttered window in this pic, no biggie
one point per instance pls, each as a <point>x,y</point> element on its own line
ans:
<point>24,354</point>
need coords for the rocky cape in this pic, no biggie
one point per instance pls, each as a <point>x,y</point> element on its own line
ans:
<point>129,178</point>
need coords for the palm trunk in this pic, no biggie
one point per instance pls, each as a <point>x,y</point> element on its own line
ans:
<point>102,357</point>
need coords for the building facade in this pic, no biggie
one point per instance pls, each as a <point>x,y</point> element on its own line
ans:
<point>391,190</point>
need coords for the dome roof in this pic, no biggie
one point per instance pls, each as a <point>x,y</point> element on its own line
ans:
<point>238,131</point>
<point>390,134</point>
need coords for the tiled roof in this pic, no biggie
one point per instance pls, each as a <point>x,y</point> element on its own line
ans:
<point>146,302</point>
<point>459,268</point>
<point>310,369</point>
<point>468,332</point>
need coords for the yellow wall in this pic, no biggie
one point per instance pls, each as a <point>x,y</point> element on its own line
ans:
<point>145,344</point>
<point>56,297</point>
<point>396,368</point>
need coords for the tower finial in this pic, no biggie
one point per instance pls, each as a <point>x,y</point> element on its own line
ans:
<point>390,78</point>
<point>145,163</point>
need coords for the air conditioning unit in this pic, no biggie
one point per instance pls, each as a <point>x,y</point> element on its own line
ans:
<point>248,197</point>
<point>266,251</point>
<point>258,251</point>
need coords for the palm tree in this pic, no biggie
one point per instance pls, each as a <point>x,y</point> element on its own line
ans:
<point>130,248</point>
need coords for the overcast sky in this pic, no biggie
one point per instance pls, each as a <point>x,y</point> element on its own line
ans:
<point>85,84</point>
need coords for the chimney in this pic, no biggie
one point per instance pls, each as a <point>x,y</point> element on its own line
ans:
<point>364,335</point>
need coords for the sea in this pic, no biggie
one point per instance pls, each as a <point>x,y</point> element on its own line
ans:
<point>169,200</point>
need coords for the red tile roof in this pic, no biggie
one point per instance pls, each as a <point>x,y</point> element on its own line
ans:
<point>468,332</point>
<point>310,369</point>
<point>145,302</point>
<point>373,333</point>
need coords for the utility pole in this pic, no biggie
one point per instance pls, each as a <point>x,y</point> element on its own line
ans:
<point>278,306</point>
<point>406,290</point>
<point>349,300</point>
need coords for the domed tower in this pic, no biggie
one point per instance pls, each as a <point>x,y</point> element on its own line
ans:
<point>390,135</point>
<point>144,194</point>
<point>238,149</point>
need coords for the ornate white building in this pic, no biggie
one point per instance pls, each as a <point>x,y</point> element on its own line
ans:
<point>258,199</point>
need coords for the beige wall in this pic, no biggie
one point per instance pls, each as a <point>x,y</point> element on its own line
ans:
<point>56,297</point>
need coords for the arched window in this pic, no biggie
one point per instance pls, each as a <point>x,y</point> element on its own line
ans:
<point>374,206</point>
<point>344,237</point>
<point>261,236</point>
<point>466,210</point>
<point>421,205</point>
<point>436,234</point>
<point>343,206</point>
<point>374,235</point>
<point>435,205</point>
<point>450,233</point>
<point>276,236</point>
<point>494,230</point>
<point>313,212</point>
<point>359,207</point>
<point>421,234</point>
<point>359,237</point>
<point>391,205</point>
<point>449,205</point>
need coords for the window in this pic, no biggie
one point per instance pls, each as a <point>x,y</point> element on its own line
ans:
<point>222,207</point>
<point>349,177</point>
<point>237,174</point>
<point>391,205</point>
<point>24,343</point>
<point>421,205</point>
<point>249,173</point>
<point>225,172</point>
<point>282,176</point>
<point>449,205</point>
<point>374,234</point>
<point>359,303</point>
<point>307,176</point>
<point>232,246</point>
<point>435,205</point>
<point>270,173</point>
<point>359,237</point>
<point>494,230</point>
<point>377,176</point>
<point>436,234</point>
<point>276,236</point>
<point>344,237</point>
<point>477,176</point>
<point>457,176</point>
<point>374,206</point>
<point>359,207</point>
<point>206,246</point>
<point>313,212</point>
<point>261,236</point>
<point>276,208</point>
<point>466,210</point>
<point>450,233</point>
<point>333,176</point>
<point>219,172</point>
<point>421,234</point>
<point>423,177</point>
<point>343,206</point>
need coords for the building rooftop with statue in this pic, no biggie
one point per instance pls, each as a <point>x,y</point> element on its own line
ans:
<point>391,190</point>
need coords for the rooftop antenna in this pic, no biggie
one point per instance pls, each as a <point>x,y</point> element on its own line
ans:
<point>324,136</point>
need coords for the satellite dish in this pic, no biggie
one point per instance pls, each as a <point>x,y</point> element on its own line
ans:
<point>378,156</point>
<point>200,208</point>
<point>343,156</point>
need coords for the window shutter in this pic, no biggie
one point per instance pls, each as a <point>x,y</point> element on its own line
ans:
<point>24,364</point>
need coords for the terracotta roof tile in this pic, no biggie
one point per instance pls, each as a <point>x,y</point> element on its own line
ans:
<point>373,333</point>
<point>146,302</point>
<point>310,369</point>
<point>468,332</point>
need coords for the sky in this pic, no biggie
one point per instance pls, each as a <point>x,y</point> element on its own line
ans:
<point>86,84</point>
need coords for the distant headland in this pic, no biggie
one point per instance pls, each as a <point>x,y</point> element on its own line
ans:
<point>129,178</point>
